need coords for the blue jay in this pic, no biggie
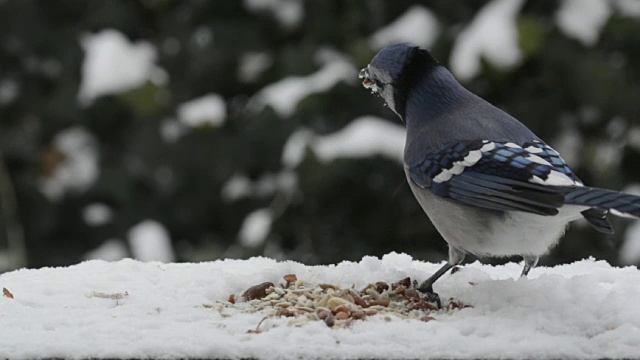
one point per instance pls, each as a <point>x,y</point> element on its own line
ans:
<point>490,186</point>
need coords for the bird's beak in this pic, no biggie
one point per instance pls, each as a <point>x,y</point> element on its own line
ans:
<point>366,82</point>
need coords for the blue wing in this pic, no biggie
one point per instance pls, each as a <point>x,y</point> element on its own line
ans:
<point>531,177</point>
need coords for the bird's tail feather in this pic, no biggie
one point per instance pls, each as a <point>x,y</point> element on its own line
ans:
<point>616,203</point>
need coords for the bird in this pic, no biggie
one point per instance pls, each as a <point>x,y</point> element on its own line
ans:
<point>490,186</point>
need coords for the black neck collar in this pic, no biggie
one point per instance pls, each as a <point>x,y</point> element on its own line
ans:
<point>420,63</point>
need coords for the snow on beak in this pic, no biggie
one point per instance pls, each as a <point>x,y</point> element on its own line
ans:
<point>366,82</point>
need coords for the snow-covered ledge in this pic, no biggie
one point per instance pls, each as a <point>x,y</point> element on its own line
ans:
<point>130,309</point>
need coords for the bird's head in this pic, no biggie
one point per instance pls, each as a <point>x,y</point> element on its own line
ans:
<point>393,71</point>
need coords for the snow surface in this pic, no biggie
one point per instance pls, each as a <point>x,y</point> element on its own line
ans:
<point>418,25</point>
<point>492,35</point>
<point>113,64</point>
<point>365,136</point>
<point>131,309</point>
<point>209,109</point>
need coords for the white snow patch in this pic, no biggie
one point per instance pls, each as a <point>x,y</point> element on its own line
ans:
<point>202,36</point>
<point>630,8</point>
<point>569,144</point>
<point>364,137</point>
<point>633,137</point>
<point>256,228</point>
<point>630,250</point>
<point>239,186</point>
<point>583,19</point>
<point>209,109</point>
<point>284,95</point>
<point>268,184</point>
<point>617,127</point>
<point>172,130</point>
<point>607,156</point>
<point>581,310</point>
<point>418,25</point>
<point>633,189</point>
<point>9,91</point>
<point>97,214</point>
<point>252,65</point>
<point>295,147</point>
<point>492,34</point>
<point>113,64</point>
<point>5,261</point>
<point>150,241</point>
<point>288,12</point>
<point>79,167</point>
<point>110,250</point>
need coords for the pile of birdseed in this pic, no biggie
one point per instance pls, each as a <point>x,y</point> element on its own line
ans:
<point>337,307</point>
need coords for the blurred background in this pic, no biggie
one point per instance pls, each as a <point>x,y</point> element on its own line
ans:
<point>199,130</point>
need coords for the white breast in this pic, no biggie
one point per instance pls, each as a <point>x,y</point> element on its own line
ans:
<point>520,233</point>
<point>491,233</point>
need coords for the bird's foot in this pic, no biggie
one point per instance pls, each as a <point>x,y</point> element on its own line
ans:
<point>430,295</point>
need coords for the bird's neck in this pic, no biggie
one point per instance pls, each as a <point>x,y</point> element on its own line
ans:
<point>435,92</point>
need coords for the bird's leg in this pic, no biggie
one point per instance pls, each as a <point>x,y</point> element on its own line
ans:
<point>530,261</point>
<point>427,286</point>
<point>455,257</point>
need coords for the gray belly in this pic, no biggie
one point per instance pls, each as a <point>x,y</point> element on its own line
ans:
<point>493,233</point>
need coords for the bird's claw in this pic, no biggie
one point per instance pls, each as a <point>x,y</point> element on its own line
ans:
<point>433,297</point>
<point>430,295</point>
